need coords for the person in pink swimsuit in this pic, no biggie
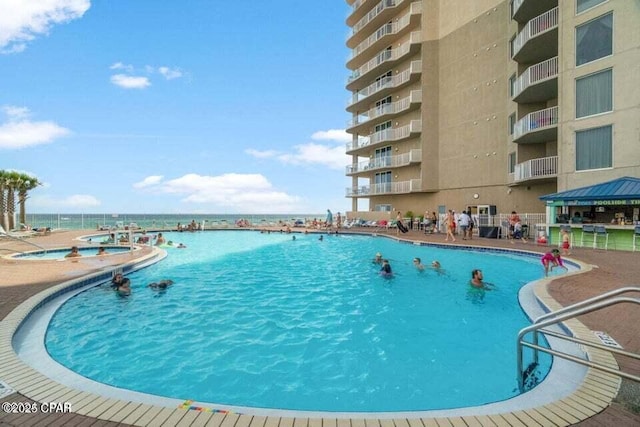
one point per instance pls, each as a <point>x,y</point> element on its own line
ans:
<point>550,260</point>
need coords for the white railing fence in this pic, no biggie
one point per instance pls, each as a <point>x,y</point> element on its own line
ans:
<point>535,74</point>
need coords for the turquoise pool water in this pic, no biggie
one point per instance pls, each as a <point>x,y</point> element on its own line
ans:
<point>60,253</point>
<point>262,320</point>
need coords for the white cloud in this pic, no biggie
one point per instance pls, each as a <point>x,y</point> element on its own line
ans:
<point>247,193</point>
<point>22,21</point>
<point>20,132</point>
<point>330,155</point>
<point>121,66</point>
<point>312,153</point>
<point>148,181</point>
<point>169,73</point>
<point>73,201</point>
<point>130,82</point>
<point>261,154</point>
<point>332,135</point>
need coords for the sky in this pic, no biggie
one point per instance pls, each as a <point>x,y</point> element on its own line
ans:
<point>174,106</point>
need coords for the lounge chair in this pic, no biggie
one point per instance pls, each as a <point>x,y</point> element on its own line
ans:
<point>17,234</point>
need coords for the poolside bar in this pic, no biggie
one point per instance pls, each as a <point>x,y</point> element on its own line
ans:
<point>601,216</point>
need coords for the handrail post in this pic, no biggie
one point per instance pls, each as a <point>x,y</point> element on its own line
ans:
<point>570,312</point>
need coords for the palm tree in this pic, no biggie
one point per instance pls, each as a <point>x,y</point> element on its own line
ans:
<point>13,181</point>
<point>26,184</point>
<point>4,182</point>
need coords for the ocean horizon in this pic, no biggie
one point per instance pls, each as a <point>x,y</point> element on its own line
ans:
<point>152,221</point>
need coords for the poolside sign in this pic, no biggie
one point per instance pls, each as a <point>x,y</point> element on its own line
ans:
<point>606,339</point>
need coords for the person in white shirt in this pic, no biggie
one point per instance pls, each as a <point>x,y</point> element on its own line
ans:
<point>463,220</point>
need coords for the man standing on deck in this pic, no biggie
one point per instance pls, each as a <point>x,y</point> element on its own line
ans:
<point>329,221</point>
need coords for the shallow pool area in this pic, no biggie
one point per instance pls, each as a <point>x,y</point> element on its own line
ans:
<point>308,324</point>
<point>59,253</point>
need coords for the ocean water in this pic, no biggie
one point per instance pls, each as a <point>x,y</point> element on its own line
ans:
<point>268,321</point>
<point>150,221</point>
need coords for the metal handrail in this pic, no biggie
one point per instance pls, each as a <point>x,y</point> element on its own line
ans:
<point>588,301</point>
<point>581,308</point>
<point>23,241</point>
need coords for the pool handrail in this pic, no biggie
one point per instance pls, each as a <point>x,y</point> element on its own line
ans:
<point>3,233</point>
<point>582,308</point>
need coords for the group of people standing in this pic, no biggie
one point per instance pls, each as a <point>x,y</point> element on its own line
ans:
<point>463,221</point>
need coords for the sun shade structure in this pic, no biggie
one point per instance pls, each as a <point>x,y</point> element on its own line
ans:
<point>621,191</point>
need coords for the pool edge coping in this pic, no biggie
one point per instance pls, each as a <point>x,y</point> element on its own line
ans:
<point>595,392</point>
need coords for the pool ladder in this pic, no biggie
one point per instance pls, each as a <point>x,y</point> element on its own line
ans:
<point>587,306</point>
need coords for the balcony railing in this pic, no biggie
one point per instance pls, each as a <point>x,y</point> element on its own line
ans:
<point>386,29</point>
<point>538,25</point>
<point>386,162</point>
<point>415,97</point>
<point>386,56</point>
<point>538,120</point>
<point>387,82</point>
<point>386,135</point>
<point>546,167</point>
<point>373,13</point>
<point>535,74</point>
<point>410,186</point>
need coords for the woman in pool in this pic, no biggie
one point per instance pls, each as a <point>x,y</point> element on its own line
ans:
<point>550,260</point>
<point>385,270</point>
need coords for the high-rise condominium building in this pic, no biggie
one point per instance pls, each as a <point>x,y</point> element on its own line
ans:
<point>458,103</point>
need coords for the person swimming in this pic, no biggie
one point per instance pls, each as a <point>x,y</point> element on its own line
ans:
<point>417,263</point>
<point>124,288</point>
<point>162,284</point>
<point>378,259</point>
<point>385,270</point>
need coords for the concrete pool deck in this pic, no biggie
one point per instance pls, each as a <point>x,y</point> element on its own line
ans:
<point>19,280</point>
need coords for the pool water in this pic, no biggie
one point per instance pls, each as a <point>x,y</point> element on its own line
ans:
<point>60,253</point>
<point>262,320</point>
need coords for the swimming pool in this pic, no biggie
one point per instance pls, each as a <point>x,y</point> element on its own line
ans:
<point>324,330</point>
<point>59,254</point>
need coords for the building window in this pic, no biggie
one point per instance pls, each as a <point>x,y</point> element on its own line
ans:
<point>383,182</point>
<point>594,94</point>
<point>594,40</point>
<point>583,5</point>
<point>383,208</point>
<point>512,162</point>
<point>383,126</point>
<point>594,148</point>
<point>512,123</point>
<point>512,85</point>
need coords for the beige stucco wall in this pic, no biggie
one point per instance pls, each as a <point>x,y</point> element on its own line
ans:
<point>625,117</point>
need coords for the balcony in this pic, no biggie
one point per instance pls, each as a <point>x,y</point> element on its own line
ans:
<point>387,162</point>
<point>538,40</point>
<point>384,86</point>
<point>385,111</point>
<point>538,83</point>
<point>525,10</point>
<point>386,57</point>
<point>402,187</point>
<point>380,14</point>
<point>387,135</point>
<point>539,126</point>
<point>356,12</point>
<point>379,39</point>
<point>536,169</point>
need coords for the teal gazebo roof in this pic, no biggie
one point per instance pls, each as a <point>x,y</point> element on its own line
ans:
<point>625,189</point>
